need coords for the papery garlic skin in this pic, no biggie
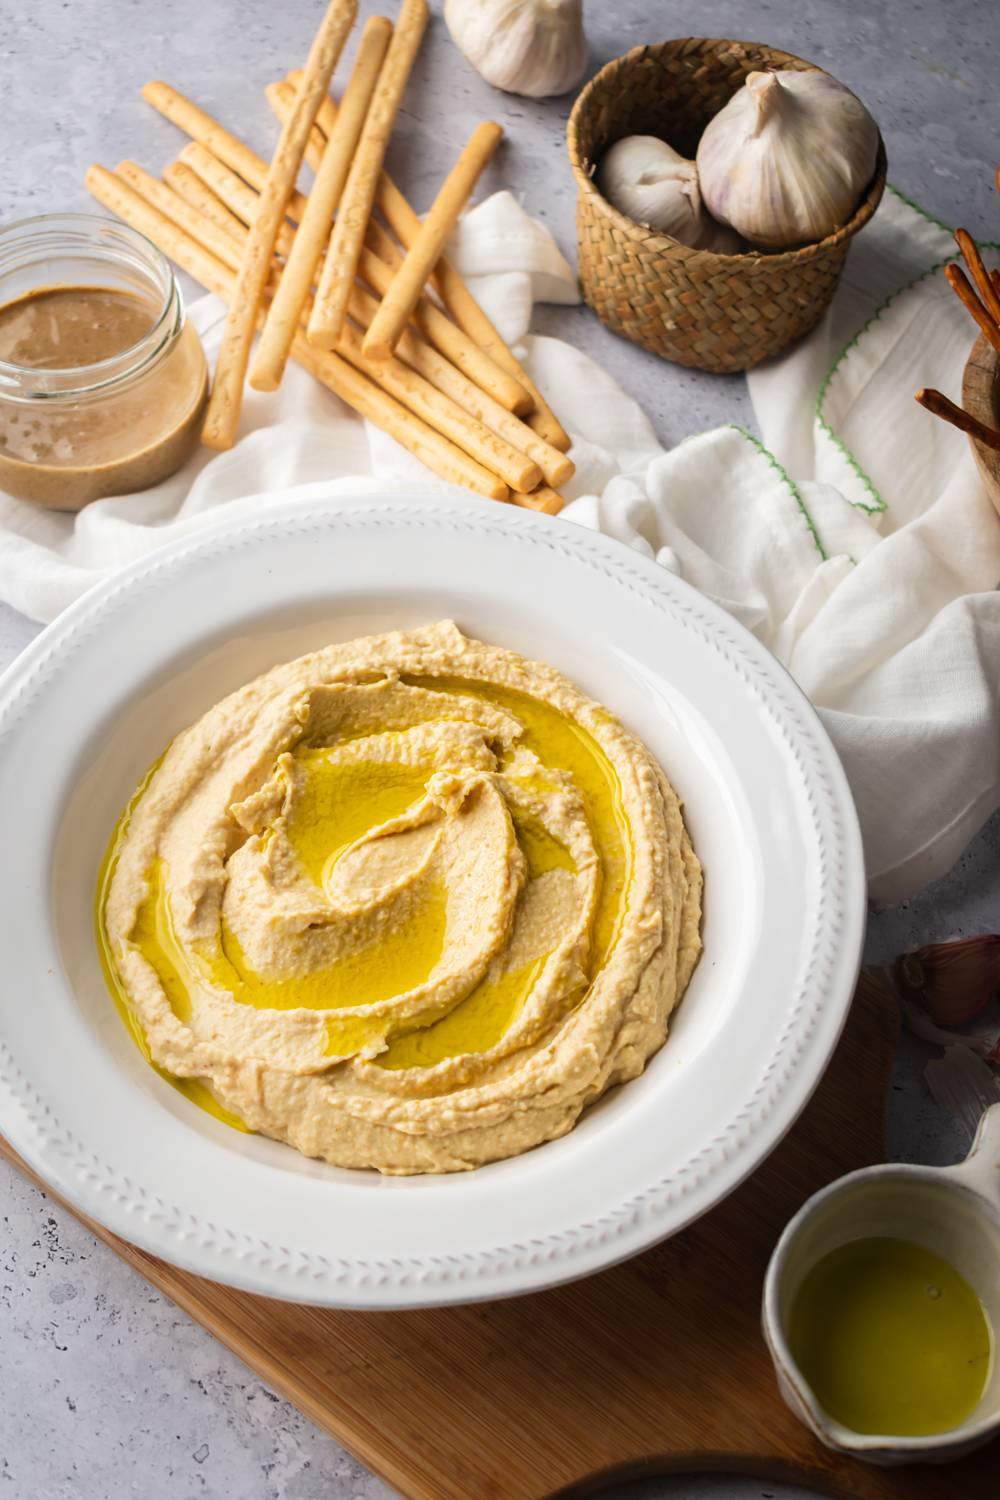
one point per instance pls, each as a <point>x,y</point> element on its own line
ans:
<point>952,981</point>
<point>653,184</point>
<point>646,179</point>
<point>787,159</point>
<point>531,47</point>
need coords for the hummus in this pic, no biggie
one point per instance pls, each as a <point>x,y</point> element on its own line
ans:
<point>411,903</point>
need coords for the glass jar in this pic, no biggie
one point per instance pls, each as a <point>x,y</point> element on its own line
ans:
<point>102,380</point>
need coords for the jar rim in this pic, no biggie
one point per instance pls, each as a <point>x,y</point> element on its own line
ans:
<point>93,378</point>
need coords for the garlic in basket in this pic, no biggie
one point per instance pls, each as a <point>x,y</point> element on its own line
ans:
<point>533,47</point>
<point>649,181</point>
<point>787,159</point>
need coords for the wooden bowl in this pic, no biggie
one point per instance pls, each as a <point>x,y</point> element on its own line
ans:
<point>695,307</point>
<point>981,398</point>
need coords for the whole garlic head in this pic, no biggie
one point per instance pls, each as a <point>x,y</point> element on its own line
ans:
<point>786,160</point>
<point>653,184</point>
<point>532,47</point>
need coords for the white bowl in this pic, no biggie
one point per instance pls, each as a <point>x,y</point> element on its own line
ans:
<point>95,699</point>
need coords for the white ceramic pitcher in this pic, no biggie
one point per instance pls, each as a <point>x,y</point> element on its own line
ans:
<point>952,1211</point>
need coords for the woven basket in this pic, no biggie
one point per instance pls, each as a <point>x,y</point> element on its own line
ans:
<point>715,312</point>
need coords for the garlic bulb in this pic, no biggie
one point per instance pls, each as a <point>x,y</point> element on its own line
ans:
<point>786,160</point>
<point>653,184</point>
<point>533,47</point>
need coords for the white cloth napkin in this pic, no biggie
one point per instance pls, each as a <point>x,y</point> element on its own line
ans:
<point>856,542</point>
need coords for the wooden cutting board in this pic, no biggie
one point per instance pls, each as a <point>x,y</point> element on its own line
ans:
<point>656,1366</point>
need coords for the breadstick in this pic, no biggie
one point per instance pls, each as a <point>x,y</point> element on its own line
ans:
<point>543,499</point>
<point>181,247</point>
<point>441,413</point>
<point>466,311</point>
<point>223,145</point>
<point>939,404</point>
<point>962,287</point>
<point>458,297</point>
<point>372,402</point>
<point>220,243</point>
<point>282,321</point>
<point>553,465</point>
<point>980,275</point>
<point>378,407</point>
<point>326,117</point>
<point>235,165</point>
<point>507,381</point>
<point>281,98</point>
<point>234,193</point>
<point>341,263</point>
<point>438,411</point>
<point>223,414</point>
<point>439,404</point>
<point>470,316</point>
<point>426,362</point>
<point>425,251</point>
<point>188,185</point>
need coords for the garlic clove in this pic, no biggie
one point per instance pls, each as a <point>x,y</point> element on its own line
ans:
<point>983,1039</point>
<point>651,183</point>
<point>952,981</point>
<point>646,179</point>
<point>787,159</point>
<point>531,47</point>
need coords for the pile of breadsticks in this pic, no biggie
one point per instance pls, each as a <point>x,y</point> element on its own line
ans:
<point>348,280</point>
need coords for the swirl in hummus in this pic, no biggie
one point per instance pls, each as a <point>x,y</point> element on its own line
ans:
<point>411,903</point>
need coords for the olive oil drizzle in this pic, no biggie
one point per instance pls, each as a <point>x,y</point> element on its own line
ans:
<point>339,804</point>
<point>192,1088</point>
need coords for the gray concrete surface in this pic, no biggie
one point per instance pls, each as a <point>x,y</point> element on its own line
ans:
<point>107,1389</point>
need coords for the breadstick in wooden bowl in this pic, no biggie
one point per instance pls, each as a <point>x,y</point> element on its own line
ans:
<point>341,263</point>
<point>936,402</point>
<point>962,287</point>
<point>980,275</point>
<point>223,414</point>
<point>282,321</point>
<point>425,252</point>
<point>363,395</point>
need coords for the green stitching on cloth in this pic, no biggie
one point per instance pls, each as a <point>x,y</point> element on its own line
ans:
<point>878,505</point>
<point>898,193</point>
<point>787,479</point>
